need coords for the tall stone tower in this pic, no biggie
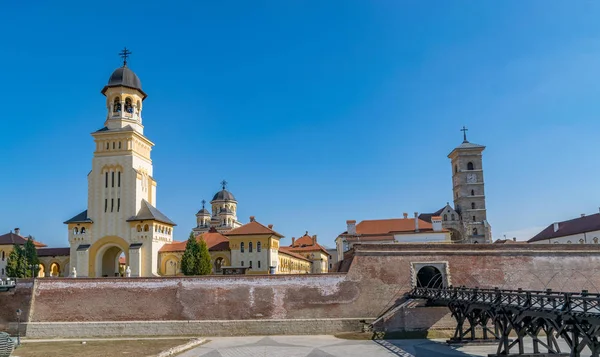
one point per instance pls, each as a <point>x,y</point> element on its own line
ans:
<point>468,190</point>
<point>121,218</point>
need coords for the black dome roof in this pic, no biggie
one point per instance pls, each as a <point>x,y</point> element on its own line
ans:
<point>203,210</point>
<point>124,77</point>
<point>223,195</point>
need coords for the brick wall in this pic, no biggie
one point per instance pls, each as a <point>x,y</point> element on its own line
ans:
<point>378,277</point>
<point>17,298</point>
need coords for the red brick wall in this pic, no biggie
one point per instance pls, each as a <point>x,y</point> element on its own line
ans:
<point>17,298</point>
<point>378,276</point>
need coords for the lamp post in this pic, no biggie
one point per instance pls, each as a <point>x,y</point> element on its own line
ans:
<point>34,270</point>
<point>19,311</point>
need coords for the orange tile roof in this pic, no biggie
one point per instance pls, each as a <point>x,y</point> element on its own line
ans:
<point>214,240</point>
<point>286,250</point>
<point>305,243</point>
<point>13,238</point>
<point>385,226</point>
<point>251,228</point>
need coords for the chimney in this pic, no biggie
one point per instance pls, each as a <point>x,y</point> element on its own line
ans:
<point>514,239</point>
<point>405,215</point>
<point>18,231</point>
<point>314,239</point>
<point>582,215</point>
<point>251,218</point>
<point>351,227</point>
<point>293,241</point>
<point>436,223</point>
<point>556,227</point>
<point>416,221</point>
<point>270,226</point>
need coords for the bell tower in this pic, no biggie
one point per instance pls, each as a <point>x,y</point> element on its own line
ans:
<point>468,191</point>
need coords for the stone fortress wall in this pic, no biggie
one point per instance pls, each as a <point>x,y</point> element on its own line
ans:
<point>377,277</point>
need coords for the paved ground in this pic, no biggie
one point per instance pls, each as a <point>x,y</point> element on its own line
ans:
<point>329,346</point>
<point>320,346</point>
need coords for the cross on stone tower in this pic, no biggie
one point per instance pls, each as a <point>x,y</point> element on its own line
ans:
<point>224,184</point>
<point>203,203</point>
<point>464,130</point>
<point>124,54</point>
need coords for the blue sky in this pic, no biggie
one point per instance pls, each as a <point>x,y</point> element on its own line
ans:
<point>315,111</point>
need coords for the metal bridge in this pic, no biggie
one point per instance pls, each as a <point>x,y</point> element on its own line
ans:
<point>508,317</point>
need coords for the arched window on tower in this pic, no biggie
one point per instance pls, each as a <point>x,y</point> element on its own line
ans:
<point>445,217</point>
<point>258,248</point>
<point>75,230</point>
<point>128,105</point>
<point>472,205</point>
<point>250,247</point>
<point>455,168</point>
<point>242,248</point>
<point>474,231</point>
<point>470,166</point>
<point>452,217</point>
<point>595,240</point>
<point>472,192</point>
<point>117,105</point>
<point>146,228</point>
<point>82,230</point>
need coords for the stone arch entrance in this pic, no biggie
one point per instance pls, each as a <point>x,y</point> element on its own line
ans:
<point>104,256</point>
<point>55,269</point>
<point>430,277</point>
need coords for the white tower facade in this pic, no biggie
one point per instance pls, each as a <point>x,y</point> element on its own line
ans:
<point>121,220</point>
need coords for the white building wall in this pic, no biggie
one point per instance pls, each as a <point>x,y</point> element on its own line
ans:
<point>582,238</point>
<point>429,237</point>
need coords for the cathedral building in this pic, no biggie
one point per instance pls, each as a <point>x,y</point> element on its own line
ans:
<point>121,218</point>
<point>223,214</point>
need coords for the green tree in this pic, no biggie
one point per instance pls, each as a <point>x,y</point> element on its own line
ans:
<point>31,257</point>
<point>203,259</point>
<point>16,265</point>
<point>188,260</point>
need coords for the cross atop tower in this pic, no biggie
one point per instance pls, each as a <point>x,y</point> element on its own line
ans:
<point>464,130</point>
<point>224,184</point>
<point>124,54</point>
<point>203,203</point>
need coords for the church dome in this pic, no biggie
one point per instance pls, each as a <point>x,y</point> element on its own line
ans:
<point>223,195</point>
<point>203,211</point>
<point>124,77</point>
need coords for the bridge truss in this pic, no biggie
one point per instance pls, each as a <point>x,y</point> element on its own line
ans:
<point>510,316</point>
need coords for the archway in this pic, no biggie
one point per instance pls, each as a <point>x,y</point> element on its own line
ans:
<point>218,264</point>
<point>108,264</point>
<point>171,266</point>
<point>429,277</point>
<point>41,271</point>
<point>54,270</point>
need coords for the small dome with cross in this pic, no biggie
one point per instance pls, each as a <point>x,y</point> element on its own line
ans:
<point>223,195</point>
<point>124,77</point>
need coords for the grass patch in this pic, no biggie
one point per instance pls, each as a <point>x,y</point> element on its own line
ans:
<point>133,348</point>
<point>397,335</point>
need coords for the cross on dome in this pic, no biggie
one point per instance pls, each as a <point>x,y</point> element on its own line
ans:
<point>224,184</point>
<point>124,54</point>
<point>203,203</point>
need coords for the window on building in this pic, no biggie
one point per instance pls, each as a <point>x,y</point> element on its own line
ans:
<point>596,240</point>
<point>445,217</point>
<point>250,249</point>
<point>113,179</point>
<point>474,219</point>
<point>330,266</point>
<point>106,179</point>
<point>75,230</point>
<point>146,228</point>
<point>242,263</point>
<point>3,256</point>
<point>139,228</point>
<point>258,247</point>
<point>119,179</point>
<point>472,205</point>
<point>568,242</point>
<point>474,231</point>
<point>581,241</point>
<point>107,146</point>
<point>242,248</point>
<point>455,168</point>
<point>2,271</point>
<point>119,144</point>
<point>105,204</point>
<point>128,105</point>
<point>118,204</point>
<point>117,105</point>
<point>250,264</point>
<point>82,230</point>
<point>472,192</point>
<point>470,166</point>
<point>112,204</point>
<point>113,145</point>
<point>452,217</point>
<point>258,263</point>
